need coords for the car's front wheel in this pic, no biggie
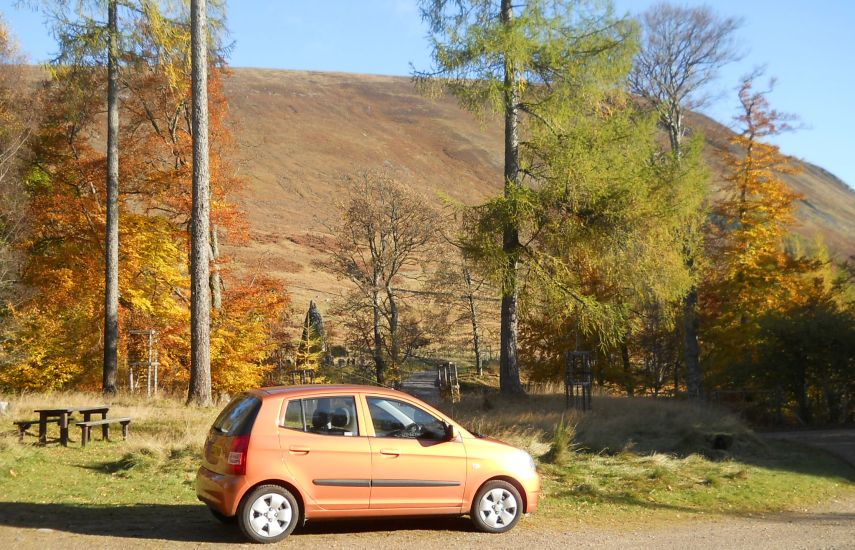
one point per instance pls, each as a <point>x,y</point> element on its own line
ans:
<point>497,507</point>
<point>268,514</point>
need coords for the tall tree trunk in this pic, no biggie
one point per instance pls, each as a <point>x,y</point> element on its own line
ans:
<point>627,369</point>
<point>691,351</point>
<point>691,348</point>
<point>379,364</point>
<point>216,281</point>
<point>473,317</point>
<point>111,260</point>
<point>200,254</point>
<point>509,370</point>
<point>395,348</point>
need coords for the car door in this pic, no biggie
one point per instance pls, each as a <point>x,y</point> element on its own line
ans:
<point>327,451</point>
<point>412,466</point>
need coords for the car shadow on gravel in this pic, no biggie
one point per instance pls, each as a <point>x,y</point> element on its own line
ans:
<point>383,525</point>
<point>185,522</point>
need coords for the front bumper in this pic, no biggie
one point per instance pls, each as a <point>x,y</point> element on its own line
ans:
<point>531,484</point>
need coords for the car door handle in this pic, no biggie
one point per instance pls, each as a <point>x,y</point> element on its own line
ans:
<point>299,450</point>
<point>390,452</point>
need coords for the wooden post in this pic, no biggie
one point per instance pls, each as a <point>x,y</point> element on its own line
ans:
<point>105,428</point>
<point>63,429</point>
<point>42,429</point>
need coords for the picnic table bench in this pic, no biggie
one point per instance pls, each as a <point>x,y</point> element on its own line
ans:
<point>87,425</point>
<point>61,416</point>
<point>24,425</point>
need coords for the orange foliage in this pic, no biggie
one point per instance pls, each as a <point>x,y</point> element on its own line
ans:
<point>752,273</point>
<point>57,333</point>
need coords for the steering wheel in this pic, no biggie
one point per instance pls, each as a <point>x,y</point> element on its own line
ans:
<point>413,431</point>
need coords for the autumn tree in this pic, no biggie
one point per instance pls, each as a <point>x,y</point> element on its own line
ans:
<point>58,332</point>
<point>17,118</point>
<point>88,36</point>
<point>383,234</point>
<point>457,289</point>
<point>606,229</point>
<point>681,51</point>
<point>753,270</point>
<point>518,60</point>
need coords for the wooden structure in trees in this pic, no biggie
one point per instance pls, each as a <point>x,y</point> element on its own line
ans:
<point>446,380</point>
<point>578,379</point>
<point>148,361</point>
<point>302,376</point>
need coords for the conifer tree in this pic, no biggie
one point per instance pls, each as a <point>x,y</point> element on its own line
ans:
<point>520,60</point>
<point>753,271</point>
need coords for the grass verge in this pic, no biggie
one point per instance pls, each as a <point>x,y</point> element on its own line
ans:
<point>630,460</point>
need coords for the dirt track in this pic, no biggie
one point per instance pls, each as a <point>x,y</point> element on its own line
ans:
<point>832,526</point>
<point>41,526</point>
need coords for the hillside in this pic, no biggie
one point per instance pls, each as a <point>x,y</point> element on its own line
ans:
<point>302,132</point>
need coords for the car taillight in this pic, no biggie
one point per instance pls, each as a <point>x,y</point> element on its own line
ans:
<point>237,455</point>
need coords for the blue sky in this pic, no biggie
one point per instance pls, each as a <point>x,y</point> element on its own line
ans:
<point>809,46</point>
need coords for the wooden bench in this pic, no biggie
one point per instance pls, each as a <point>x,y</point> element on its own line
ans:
<point>105,428</point>
<point>24,425</point>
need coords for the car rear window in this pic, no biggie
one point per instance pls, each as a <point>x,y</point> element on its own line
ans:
<point>238,416</point>
<point>334,415</point>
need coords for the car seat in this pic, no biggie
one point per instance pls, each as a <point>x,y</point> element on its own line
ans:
<point>341,419</point>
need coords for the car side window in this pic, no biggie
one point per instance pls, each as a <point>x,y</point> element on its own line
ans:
<point>294,415</point>
<point>334,415</point>
<point>393,418</point>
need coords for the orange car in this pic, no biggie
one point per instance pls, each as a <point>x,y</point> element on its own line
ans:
<point>276,457</point>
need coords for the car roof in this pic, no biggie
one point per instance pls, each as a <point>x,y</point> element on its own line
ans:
<point>314,389</point>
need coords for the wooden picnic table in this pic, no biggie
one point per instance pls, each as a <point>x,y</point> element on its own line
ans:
<point>63,413</point>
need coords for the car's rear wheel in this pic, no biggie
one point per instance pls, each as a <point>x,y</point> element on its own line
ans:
<point>497,507</point>
<point>268,514</point>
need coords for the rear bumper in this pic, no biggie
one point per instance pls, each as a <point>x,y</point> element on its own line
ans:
<point>221,492</point>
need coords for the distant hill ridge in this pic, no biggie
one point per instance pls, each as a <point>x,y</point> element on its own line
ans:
<point>301,132</point>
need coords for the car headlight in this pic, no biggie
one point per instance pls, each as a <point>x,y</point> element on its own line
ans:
<point>521,460</point>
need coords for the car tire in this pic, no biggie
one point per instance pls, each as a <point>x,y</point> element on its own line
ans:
<point>267,514</point>
<point>221,517</point>
<point>497,507</point>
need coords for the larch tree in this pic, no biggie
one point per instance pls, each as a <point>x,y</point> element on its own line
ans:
<point>517,59</point>
<point>753,270</point>
<point>111,249</point>
<point>200,248</point>
<point>86,39</point>
<point>17,117</point>
<point>681,51</point>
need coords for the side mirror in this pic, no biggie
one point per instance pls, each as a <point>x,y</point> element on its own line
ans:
<point>449,433</point>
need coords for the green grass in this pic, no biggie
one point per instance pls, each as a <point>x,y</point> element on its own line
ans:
<point>641,459</point>
<point>633,487</point>
<point>156,465</point>
<point>630,460</point>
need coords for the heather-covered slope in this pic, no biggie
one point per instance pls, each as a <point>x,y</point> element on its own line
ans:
<point>301,132</point>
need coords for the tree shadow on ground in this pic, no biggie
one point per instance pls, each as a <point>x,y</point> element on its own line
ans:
<point>185,522</point>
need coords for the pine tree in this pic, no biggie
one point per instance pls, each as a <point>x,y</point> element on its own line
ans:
<point>518,60</point>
